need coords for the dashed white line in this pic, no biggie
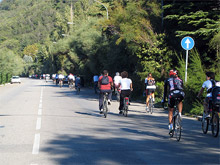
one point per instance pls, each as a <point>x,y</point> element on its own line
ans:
<point>40,111</point>
<point>36,145</point>
<point>38,125</point>
<point>40,105</point>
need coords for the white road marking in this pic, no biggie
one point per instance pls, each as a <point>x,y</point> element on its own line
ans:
<point>40,111</point>
<point>40,105</point>
<point>36,145</point>
<point>38,125</point>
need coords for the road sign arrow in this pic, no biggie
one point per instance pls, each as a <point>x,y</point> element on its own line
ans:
<point>187,43</point>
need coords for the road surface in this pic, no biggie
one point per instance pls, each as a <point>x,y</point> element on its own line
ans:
<point>42,124</point>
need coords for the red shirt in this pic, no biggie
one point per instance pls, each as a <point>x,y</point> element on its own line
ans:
<point>105,87</point>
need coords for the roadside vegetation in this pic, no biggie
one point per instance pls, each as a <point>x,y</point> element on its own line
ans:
<point>140,37</point>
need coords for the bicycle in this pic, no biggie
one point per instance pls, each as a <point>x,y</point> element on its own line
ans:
<point>105,104</point>
<point>213,120</point>
<point>151,103</point>
<point>125,107</point>
<point>71,84</point>
<point>176,120</point>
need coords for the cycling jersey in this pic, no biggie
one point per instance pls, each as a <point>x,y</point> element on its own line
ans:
<point>172,84</point>
<point>149,81</point>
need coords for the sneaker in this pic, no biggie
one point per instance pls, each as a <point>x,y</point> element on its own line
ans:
<point>101,111</point>
<point>207,116</point>
<point>120,111</point>
<point>147,109</point>
<point>109,102</point>
<point>170,126</point>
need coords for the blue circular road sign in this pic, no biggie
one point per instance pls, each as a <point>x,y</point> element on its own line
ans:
<point>187,43</point>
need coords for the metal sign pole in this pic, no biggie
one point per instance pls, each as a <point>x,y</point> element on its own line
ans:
<point>187,52</point>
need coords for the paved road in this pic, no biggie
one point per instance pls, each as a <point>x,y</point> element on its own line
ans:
<point>42,124</point>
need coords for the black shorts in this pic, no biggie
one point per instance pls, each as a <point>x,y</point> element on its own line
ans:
<point>175,94</point>
<point>149,91</point>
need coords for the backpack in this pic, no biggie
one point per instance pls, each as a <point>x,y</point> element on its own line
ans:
<point>213,85</point>
<point>105,80</point>
<point>150,82</point>
<point>216,96</point>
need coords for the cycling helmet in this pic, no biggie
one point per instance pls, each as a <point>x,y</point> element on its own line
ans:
<point>173,72</point>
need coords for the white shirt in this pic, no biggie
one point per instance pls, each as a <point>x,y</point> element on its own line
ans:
<point>71,77</point>
<point>117,79</point>
<point>207,84</point>
<point>61,76</point>
<point>125,83</point>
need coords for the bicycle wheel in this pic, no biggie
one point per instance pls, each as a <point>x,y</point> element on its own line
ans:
<point>105,108</point>
<point>205,123</point>
<point>126,111</point>
<point>178,127</point>
<point>215,124</point>
<point>151,105</point>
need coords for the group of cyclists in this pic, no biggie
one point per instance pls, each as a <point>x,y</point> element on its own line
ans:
<point>173,89</point>
<point>73,80</point>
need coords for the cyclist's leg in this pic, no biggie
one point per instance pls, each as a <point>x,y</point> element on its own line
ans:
<point>121,100</point>
<point>206,105</point>
<point>110,95</point>
<point>180,107</point>
<point>153,95</point>
<point>147,100</point>
<point>147,97</point>
<point>101,97</point>
<point>171,103</point>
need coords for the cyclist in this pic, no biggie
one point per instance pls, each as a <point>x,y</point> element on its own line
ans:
<point>60,78</point>
<point>126,88</point>
<point>173,86</point>
<point>208,84</point>
<point>47,77</point>
<point>150,88</point>
<point>117,78</point>
<point>71,78</point>
<point>57,79</point>
<point>77,82</point>
<point>105,83</point>
<point>95,81</point>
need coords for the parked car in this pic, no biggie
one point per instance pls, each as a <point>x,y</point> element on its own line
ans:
<point>15,79</point>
